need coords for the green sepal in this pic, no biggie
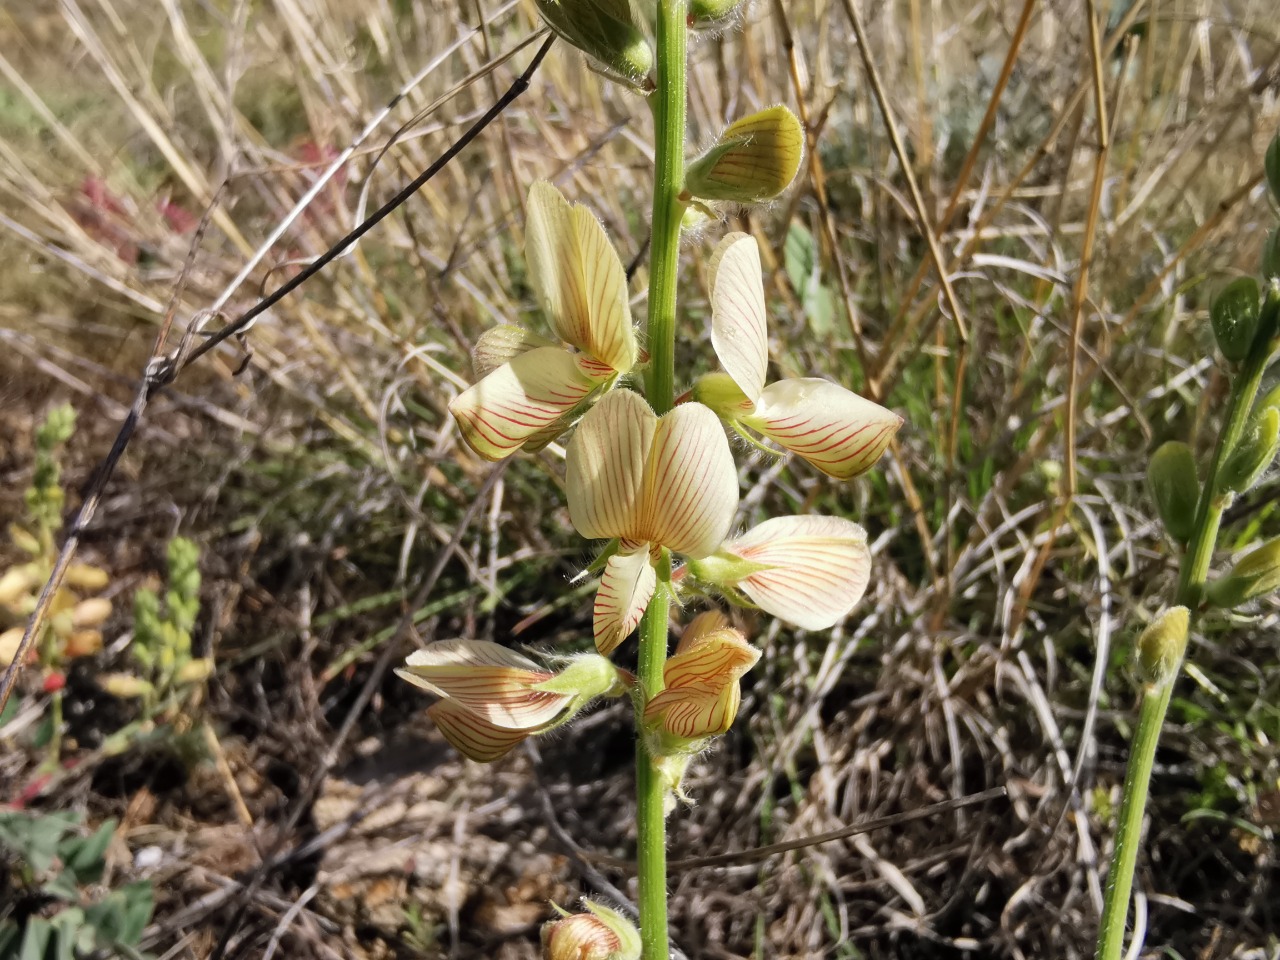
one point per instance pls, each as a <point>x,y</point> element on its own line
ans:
<point>1234,316</point>
<point>1175,488</point>
<point>724,569</point>
<point>1257,574</point>
<point>1254,452</point>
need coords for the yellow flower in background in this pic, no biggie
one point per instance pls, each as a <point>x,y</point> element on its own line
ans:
<point>492,698</point>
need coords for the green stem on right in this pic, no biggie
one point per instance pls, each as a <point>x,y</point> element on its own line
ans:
<point>1156,696</point>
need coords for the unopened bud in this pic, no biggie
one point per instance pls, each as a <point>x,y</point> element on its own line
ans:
<point>17,583</point>
<point>1175,488</point>
<point>194,671</point>
<point>1272,166</point>
<point>755,159</point>
<point>605,31</point>
<point>91,613</point>
<point>1254,452</point>
<point>83,576</point>
<point>1271,256</point>
<point>601,934</point>
<point>586,677</point>
<point>1234,316</point>
<point>1257,574</point>
<point>1162,644</point>
<point>712,13</point>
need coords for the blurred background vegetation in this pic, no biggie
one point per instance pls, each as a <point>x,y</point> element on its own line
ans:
<point>292,803</point>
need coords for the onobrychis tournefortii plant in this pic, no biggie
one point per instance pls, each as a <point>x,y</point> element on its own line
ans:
<point>649,474</point>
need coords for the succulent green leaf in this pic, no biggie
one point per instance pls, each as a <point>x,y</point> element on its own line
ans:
<point>1272,166</point>
<point>1234,315</point>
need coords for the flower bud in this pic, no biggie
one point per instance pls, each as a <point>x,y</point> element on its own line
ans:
<point>601,934</point>
<point>1271,256</point>
<point>712,13</point>
<point>1161,645</point>
<point>605,31</point>
<point>701,694</point>
<point>91,613</point>
<point>1254,452</point>
<point>755,159</point>
<point>1272,166</point>
<point>83,576</point>
<point>17,583</point>
<point>1234,316</point>
<point>1255,575</point>
<point>1175,488</point>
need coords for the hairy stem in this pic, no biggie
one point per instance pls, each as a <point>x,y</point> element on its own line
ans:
<point>668,100</point>
<point>669,120</point>
<point>651,831</point>
<point>1156,696</point>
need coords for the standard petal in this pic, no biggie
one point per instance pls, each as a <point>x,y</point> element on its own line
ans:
<point>817,568</point>
<point>701,625</point>
<point>739,329</point>
<point>839,432</point>
<point>502,344</point>
<point>718,657</point>
<point>487,680</point>
<point>473,737</point>
<point>579,277</point>
<point>519,399</point>
<point>625,590</point>
<point>604,468</point>
<point>691,484</point>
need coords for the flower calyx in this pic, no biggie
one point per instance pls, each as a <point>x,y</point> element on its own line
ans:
<point>492,698</point>
<point>834,429</point>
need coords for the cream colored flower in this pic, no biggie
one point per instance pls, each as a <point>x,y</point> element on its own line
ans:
<point>530,386</point>
<point>839,432</point>
<point>651,483</point>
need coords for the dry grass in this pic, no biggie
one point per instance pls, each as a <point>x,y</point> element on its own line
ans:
<point>315,463</point>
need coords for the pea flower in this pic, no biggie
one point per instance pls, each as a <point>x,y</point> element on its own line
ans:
<point>700,696</point>
<point>839,432</point>
<point>493,698</point>
<point>653,484</point>
<point>600,934</point>
<point>808,571</point>
<point>530,388</point>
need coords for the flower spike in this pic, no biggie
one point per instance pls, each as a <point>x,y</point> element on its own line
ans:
<point>808,571</point>
<point>652,483</point>
<point>839,432</point>
<point>529,388</point>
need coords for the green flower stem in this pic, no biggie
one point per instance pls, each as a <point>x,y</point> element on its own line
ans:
<point>1156,696</point>
<point>651,817</point>
<point>668,101</point>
